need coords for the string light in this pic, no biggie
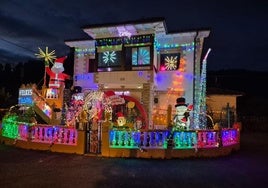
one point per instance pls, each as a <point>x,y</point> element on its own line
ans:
<point>186,47</point>
<point>81,52</point>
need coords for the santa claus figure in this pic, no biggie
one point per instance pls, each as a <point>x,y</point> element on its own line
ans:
<point>57,78</point>
<point>181,119</point>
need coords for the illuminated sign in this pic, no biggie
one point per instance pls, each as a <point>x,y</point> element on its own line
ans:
<point>83,77</point>
<point>26,100</point>
<point>25,96</point>
<point>25,92</point>
<point>116,100</point>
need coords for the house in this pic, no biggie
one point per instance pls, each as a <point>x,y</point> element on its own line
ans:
<point>128,77</point>
<point>143,61</point>
<point>222,105</point>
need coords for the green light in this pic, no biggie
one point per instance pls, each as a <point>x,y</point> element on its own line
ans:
<point>10,126</point>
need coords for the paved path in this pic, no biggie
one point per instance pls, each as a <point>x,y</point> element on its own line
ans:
<point>26,168</point>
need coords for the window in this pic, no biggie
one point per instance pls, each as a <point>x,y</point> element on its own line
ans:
<point>137,58</point>
<point>141,56</point>
<point>169,62</point>
<point>109,59</point>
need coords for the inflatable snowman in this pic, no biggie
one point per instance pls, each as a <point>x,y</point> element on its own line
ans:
<point>181,119</point>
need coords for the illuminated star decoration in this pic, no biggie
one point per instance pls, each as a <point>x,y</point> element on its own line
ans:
<point>171,63</point>
<point>109,57</point>
<point>47,56</point>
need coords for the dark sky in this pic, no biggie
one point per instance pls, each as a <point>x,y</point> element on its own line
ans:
<point>238,38</point>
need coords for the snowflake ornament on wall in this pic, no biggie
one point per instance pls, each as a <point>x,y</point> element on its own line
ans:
<point>171,62</point>
<point>109,57</point>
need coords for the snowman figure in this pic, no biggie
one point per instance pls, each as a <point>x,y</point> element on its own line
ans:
<point>181,119</point>
<point>57,78</point>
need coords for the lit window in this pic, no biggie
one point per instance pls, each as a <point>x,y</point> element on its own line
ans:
<point>109,59</point>
<point>141,56</point>
<point>169,62</point>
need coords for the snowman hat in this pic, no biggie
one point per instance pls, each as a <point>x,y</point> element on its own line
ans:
<point>180,102</point>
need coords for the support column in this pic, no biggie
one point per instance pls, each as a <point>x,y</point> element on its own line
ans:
<point>147,100</point>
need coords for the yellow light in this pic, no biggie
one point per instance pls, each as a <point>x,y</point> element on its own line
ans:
<point>47,56</point>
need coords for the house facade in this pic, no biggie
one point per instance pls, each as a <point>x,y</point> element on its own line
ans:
<point>222,106</point>
<point>128,79</point>
<point>143,61</point>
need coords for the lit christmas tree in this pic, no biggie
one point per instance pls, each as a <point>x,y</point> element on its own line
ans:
<point>203,90</point>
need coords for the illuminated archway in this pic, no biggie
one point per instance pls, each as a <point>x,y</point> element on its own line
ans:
<point>140,108</point>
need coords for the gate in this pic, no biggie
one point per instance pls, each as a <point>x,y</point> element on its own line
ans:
<point>93,138</point>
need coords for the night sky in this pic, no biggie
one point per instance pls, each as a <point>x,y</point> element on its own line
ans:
<point>238,38</point>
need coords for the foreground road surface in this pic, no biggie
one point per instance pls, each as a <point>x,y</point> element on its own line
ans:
<point>26,168</point>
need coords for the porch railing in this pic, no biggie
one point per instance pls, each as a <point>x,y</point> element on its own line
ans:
<point>208,139</point>
<point>137,139</point>
<point>184,139</point>
<point>229,136</point>
<point>159,139</point>
<point>46,134</point>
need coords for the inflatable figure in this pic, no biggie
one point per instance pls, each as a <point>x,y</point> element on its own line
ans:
<point>121,120</point>
<point>181,119</point>
<point>57,78</point>
<point>138,124</point>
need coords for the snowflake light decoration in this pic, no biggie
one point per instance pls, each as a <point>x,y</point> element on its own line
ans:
<point>143,57</point>
<point>171,62</point>
<point>47,56</point>
<point>109,57</point>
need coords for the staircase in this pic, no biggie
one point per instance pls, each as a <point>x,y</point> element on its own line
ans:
<point>42,108</point>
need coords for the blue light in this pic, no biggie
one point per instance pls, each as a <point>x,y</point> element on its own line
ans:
<point>141,57</point>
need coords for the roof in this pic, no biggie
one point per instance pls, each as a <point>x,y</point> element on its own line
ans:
<point>136,27</point>
<point>156,26</point>
<point>139,21</point>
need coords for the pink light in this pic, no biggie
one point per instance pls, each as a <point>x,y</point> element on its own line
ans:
<point>162,68</point>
